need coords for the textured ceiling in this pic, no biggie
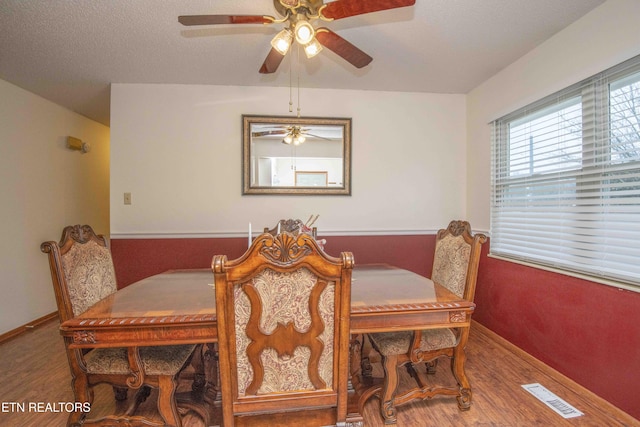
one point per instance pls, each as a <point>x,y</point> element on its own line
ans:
<point>69,51</point>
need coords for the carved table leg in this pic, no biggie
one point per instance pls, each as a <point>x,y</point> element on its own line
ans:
<point>356,354</point>
<point>211,370</point>
<point>203,397</point>
<point>140,397</point>
<point>366,369</point>
<point>361,386</point>
<point>431,366</point>
<point>120,393</point>
<point>199,375</point>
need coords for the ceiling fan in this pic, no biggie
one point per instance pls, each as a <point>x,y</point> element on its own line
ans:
<point>298,15</point>
<point>292,134</point>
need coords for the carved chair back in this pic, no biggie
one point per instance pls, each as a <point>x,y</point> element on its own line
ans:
<point>456,258</point>
<point>81,269</point>
<point>283,325</point>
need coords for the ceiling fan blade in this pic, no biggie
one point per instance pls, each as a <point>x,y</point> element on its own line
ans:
<point>318,136</point>
<point>271,62</point>
<point>268,133</point>
<point>343,48</point>
<point>224,19</point>
<point>344,8</point>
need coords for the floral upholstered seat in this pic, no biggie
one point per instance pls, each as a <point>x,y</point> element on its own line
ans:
<point>389,343</point>
<point>162,360</point>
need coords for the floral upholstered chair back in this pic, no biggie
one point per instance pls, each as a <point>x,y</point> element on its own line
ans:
<point>456,258</point>
<point>278,299</point>
<point>282,303</point>
<point>84,273</point>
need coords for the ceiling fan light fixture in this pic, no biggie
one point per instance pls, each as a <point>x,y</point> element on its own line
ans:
<point>282,41</point>
<point>288,139</point>
<point>304,32</point>
<point>312,48</point>
<point>299,139</point>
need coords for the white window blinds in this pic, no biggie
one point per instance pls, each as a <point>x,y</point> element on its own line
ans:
<point>566,179</point>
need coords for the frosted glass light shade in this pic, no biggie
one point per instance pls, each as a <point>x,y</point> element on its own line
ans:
<point>312,48</point>
<point>304,32</point>
<point>282,41</point>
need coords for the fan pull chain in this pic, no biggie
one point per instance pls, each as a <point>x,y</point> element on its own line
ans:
<point>290,85</point>
<point>291,82</point>
<point>298,80</point>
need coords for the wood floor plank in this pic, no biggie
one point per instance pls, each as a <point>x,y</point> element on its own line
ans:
<point>33,368</point>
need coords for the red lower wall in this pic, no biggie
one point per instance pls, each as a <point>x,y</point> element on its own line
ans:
<point>135,259</point>
<point>587,331</point>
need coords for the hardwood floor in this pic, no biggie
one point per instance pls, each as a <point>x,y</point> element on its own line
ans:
<point>34,369</point>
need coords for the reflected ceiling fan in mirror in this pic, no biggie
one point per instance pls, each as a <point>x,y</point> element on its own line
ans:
<point>298,15</point>
<point>292,134</point>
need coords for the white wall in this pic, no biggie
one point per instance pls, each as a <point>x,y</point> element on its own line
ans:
<point>177,149</point>
<point>608,35</point>
<point>43,187</point>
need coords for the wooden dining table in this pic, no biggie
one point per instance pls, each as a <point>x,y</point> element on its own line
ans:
<point>178,307</point>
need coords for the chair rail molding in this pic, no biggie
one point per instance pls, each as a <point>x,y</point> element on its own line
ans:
<point>243,234</point>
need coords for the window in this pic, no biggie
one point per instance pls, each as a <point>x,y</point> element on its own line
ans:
<point>566,179</point>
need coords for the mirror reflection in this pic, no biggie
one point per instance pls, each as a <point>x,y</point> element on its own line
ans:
<point>296,155</point>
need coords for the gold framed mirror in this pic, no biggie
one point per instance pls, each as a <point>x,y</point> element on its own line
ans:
<point>296,155</point>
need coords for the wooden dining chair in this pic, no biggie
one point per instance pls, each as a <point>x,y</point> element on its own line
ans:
<point>82,273</point>
<point>455,266</point>
<point>283,333</point>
